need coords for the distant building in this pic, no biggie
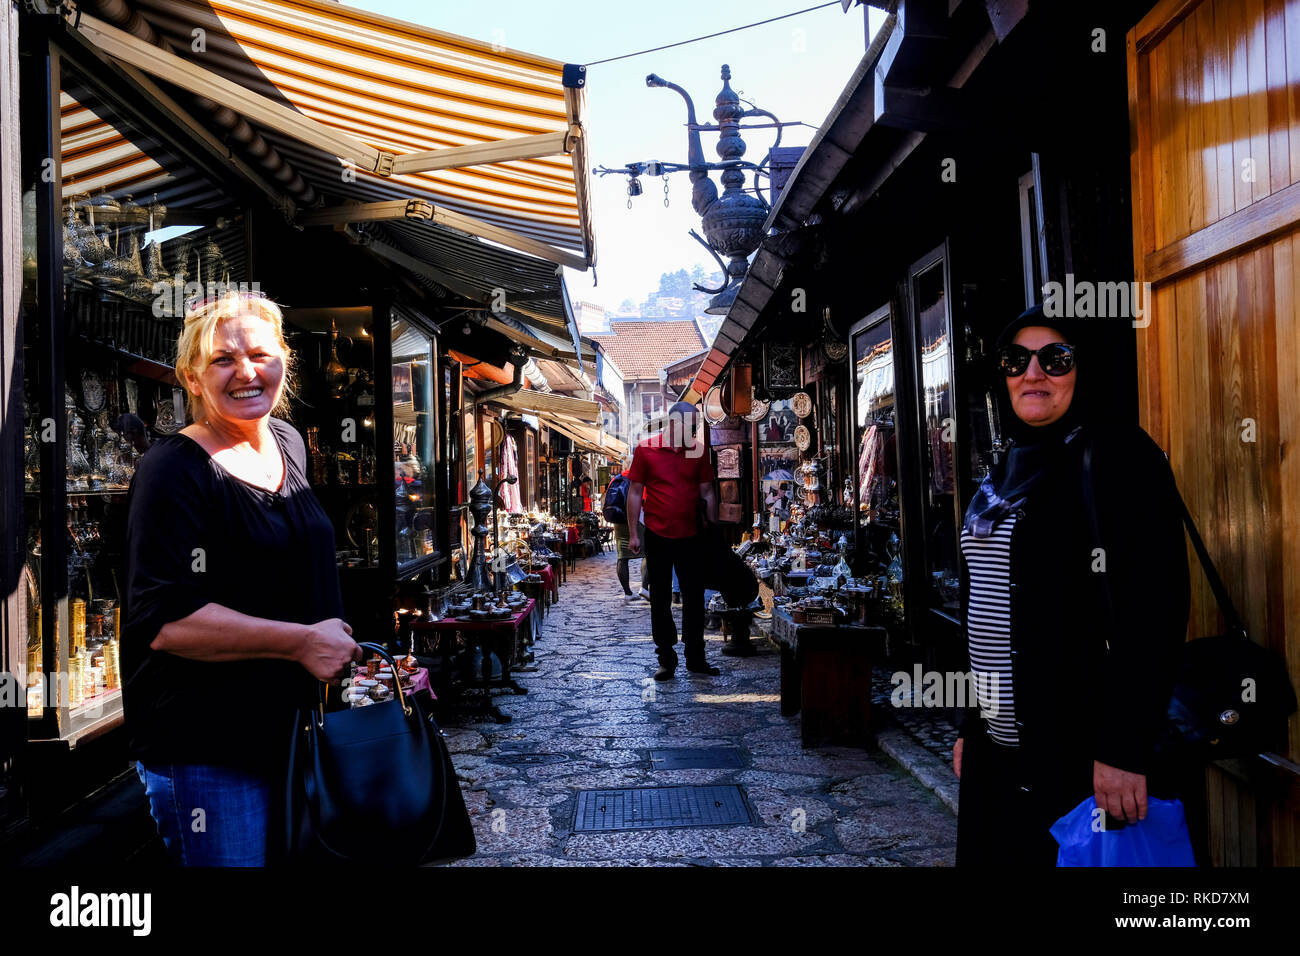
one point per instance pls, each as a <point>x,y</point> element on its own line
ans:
<point>642,351</point>
<point>592,318</point>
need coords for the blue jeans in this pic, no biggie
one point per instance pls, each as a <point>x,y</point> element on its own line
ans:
<point>209,816</point>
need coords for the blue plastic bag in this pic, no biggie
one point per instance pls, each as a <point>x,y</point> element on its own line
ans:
<point>1159,840</point>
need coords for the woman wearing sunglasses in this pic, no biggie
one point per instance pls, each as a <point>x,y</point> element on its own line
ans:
<point>1068,704</point>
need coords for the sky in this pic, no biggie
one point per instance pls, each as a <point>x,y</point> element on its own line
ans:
<point>796,68</point>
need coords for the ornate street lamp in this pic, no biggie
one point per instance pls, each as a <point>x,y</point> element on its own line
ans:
<point>733,221</point>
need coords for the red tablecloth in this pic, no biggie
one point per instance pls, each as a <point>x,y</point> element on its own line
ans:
<point>547,574</point>
<point>451,624</point>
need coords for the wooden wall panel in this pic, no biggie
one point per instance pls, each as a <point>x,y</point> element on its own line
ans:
<point>1214,85</point>
<point>1223,91</point>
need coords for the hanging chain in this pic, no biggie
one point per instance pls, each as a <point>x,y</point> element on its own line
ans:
<point>665,190</point>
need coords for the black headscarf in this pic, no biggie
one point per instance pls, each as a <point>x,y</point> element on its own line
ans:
<point>1034,449</point>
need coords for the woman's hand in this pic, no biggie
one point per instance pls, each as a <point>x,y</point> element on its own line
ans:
<point>1122,794</point>
<point>328,649</point>
<point>956,757</point>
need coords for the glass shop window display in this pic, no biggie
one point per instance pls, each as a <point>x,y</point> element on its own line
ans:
<point>142,238</point>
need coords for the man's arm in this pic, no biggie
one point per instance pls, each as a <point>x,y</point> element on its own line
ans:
<point>710,501</point>
<point>634,515</point>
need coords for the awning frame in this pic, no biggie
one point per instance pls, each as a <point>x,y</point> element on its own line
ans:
<point>423,209</point>
<point>142,55</point>
<point>409,262</point>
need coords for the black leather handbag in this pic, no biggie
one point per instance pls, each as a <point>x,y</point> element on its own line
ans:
<point>373,785</point>
<point>1231,697</point>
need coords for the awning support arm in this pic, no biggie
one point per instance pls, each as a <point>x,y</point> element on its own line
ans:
<point>499,151</point>
<point>423,209</point>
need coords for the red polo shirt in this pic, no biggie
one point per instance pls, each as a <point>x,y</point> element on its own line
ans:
<point>671,478</point>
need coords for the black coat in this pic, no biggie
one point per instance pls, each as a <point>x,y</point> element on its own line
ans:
<point>1078,700</point>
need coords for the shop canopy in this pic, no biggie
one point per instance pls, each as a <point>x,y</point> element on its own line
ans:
<point>538,403</point>
<point>469,159</point>
<point>586,437</point>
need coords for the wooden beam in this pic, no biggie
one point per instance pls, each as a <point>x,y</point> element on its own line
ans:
<point>1261,220</point>
<point>260,109</point>
<point>939,109</point>
<point>498,151</point>
<point>1005,14</point>
<point>1162,18</point>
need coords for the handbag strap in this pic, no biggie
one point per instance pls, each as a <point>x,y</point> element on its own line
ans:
<point>1236,626</point>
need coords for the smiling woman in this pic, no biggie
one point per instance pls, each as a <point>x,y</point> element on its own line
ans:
<point>233,602</point>
<point>198,346</point>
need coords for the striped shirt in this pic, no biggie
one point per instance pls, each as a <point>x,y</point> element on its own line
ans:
<point>988,627</point>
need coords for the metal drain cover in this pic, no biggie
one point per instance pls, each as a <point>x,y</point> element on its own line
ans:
<point>649,808</point>
<point>533,759</point>
<point>698,758</point>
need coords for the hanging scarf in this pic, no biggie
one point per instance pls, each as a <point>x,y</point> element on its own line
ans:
<point>1008,487</point>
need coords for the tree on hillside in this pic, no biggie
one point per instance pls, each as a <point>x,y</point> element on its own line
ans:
<point>675,284</point>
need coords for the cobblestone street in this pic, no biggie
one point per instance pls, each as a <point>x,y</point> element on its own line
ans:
<point>591,715</point>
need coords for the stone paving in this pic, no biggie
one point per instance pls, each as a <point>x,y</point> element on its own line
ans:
<point>593,712</point>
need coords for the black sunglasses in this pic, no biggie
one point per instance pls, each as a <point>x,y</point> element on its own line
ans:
<point>1055,358</point>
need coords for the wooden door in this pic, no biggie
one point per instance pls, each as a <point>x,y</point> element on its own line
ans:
<point>1214,104</point>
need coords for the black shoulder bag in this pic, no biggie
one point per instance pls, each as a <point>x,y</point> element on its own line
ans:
<point>1231,697</point>
<point>373,785</point>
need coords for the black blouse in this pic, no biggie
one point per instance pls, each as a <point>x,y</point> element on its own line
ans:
<point>196,534</point>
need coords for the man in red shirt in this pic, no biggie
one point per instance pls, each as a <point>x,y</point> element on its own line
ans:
<point>670,475</point>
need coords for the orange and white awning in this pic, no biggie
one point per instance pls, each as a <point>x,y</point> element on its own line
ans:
<point>369,110</point>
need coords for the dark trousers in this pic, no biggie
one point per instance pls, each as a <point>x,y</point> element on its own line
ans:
<point>683,554</point>
<point>1000,824</point>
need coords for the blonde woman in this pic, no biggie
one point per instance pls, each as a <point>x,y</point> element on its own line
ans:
<point>233,605</point>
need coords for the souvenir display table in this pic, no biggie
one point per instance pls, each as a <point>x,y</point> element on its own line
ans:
<point>826,675</point>
<point>490,637</point>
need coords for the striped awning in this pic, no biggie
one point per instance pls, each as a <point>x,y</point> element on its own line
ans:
<point>397,87</point>
<point>394,87</point>
<point>354,77</point>
<point>97,156</point>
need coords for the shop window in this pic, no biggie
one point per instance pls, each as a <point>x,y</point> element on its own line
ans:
<point>139,236</point>
<point>414,441</point>
<point>932,321</point>
<point>874,491</point>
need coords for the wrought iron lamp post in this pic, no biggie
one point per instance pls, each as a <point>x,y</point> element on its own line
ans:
<point>732,221</point>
